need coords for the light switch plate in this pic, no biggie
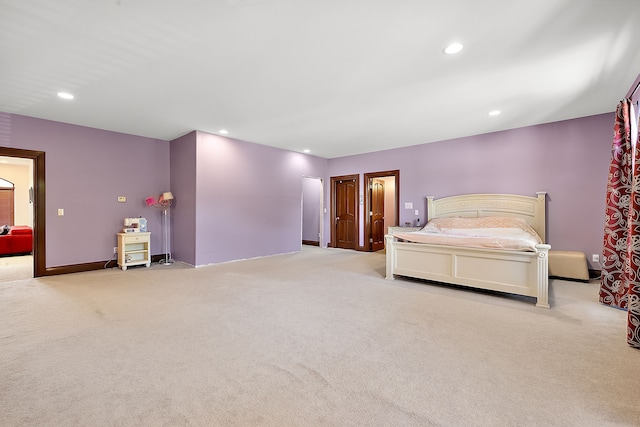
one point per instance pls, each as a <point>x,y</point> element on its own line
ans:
<point>122,199</point>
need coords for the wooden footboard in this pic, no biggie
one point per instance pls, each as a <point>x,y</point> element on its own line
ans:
<point>515,272</point>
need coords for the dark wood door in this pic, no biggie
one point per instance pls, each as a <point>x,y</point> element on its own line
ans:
<point>346,193</point>
<point>377,214</point>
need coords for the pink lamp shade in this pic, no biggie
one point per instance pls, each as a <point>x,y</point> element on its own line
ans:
<point>165,199</point>
<point>150,201</point>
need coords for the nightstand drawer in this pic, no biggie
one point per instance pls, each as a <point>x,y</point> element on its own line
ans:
<point>132,238</point>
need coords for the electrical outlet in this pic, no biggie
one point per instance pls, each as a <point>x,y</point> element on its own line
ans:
<point>115,249</point>
<point>595,258</point>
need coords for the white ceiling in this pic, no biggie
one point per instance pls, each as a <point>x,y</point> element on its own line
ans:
<point>338,77</point>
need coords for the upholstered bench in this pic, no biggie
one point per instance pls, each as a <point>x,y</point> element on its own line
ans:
<point>569,265</point>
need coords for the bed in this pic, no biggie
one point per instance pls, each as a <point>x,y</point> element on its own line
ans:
<point>517,271</point>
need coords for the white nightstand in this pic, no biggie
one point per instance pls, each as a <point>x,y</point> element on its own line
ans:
<point>134,249</point>
<point>403,229</point>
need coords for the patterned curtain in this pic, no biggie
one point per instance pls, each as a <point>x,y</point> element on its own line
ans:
<point>620,285</point>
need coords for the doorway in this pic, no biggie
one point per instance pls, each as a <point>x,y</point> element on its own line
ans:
<point>382,206</point>
<point>312,211</point>
<point>37,197</point>
<point>344,211</point>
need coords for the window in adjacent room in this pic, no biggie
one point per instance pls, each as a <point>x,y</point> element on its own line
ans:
<point>6,202</point>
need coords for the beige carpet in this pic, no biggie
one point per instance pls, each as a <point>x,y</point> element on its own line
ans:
<point>16,268</point>
<point>306,339</point>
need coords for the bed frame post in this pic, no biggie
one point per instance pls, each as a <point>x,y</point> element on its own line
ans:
<point>543,275</point>
<point>388,240</point>
<point>540,214</point>
<point>431,209</point>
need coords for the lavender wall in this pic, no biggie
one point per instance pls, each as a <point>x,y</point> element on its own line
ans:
<point>183,187</point>
<point>247,201</point>
<point>86,170</point>
<point>569,160</point>
<point>238,200</point>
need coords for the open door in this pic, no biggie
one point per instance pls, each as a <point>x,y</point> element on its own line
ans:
<point>382,206</point>
<point>377,214</point>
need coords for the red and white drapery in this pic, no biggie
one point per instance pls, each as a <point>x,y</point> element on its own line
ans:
<point>620,283</point>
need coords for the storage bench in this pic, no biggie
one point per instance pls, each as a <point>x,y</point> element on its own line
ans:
<point>568,264</point>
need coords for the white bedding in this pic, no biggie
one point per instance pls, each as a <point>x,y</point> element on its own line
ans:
<point>486,232</point>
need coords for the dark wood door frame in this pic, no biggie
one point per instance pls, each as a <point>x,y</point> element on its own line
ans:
<point>39,207</point>
<point>335,179</point>
<point>367,204</point>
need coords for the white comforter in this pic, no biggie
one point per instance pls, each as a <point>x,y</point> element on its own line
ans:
<point>487,232</point>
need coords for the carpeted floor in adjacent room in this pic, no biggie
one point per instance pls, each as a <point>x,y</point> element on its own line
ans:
<point>16,267</point>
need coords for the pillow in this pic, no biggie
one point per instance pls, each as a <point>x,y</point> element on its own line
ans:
<point>4,230</point>
<point>451,224</point>
<point>481,222</point>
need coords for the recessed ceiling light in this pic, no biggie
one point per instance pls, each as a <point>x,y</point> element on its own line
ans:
<point>306,150</point>
<point>494,113</point>
<point>223,131</point>
<point>65,95</point>
<point>453,48</point>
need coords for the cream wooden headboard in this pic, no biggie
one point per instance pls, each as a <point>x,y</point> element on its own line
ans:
<point>532,209</point>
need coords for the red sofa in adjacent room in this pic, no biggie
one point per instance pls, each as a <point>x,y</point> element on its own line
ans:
<point>19,240</point>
